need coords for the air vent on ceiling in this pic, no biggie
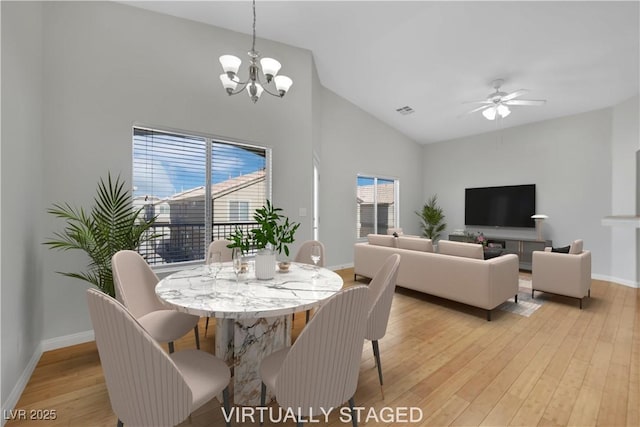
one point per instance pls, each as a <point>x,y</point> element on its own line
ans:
<point>405,110</point>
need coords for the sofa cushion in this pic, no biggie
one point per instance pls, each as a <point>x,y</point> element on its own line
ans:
<point>467,250</point>
<point>415,244</point>
<point>382,240</point>
<point>576,247</point>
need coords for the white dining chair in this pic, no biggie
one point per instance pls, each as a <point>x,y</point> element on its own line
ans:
<point>135,288</point>
<point>147,386</point>
<point>381,290</point>
<point>320,370</point>
<point>304,256</point>
<point>221,246</point>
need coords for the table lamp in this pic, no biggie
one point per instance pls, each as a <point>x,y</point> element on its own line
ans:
<point>539,218</point>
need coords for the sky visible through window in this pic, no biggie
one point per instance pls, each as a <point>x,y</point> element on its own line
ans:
<point>167,164</point>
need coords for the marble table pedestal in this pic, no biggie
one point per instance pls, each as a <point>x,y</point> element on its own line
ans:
<point>241,342</point>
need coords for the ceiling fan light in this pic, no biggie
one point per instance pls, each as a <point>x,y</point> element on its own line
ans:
<point>283,83</point>
<point>489,113</point>
<point>503,110</point>
<point>230,64</point>
<point>270,67</point>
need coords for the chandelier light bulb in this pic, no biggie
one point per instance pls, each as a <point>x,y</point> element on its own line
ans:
<point>270,68</point>
<point>228,84</point>
<point>254,90</point>
<point>489,113</point>
<point>230,64</point>
<point>283,83</point>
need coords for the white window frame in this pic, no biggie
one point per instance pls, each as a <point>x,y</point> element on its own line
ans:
<point>396,200</point>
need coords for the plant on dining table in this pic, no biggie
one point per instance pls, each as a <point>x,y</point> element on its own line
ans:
<point>274,231</point>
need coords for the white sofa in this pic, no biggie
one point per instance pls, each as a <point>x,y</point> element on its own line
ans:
<point>458,273</point>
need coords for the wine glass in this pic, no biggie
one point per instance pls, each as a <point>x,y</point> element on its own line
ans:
<point>215,265</point>
<point>315,256</point>
<point>236,256</point>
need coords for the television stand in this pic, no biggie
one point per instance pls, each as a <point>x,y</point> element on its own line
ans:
<point>522,247</point>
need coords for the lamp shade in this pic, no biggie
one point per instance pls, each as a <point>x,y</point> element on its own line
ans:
<point>283,83</point>
<point>503,110</point>
<point>230,63</point>
<point>227,83</point>
<point>489,113</point>
<point>270,67</point>
<point>254,90</point>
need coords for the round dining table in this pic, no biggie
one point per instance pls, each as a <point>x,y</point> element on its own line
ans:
<point>253,317</point>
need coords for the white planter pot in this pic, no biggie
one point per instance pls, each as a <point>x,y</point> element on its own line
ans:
<point>265,264</point>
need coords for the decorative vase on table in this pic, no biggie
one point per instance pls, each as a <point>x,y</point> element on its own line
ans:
<point>265,264</point>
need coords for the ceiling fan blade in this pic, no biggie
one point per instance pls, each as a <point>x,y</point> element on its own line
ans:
<point>526,102</point>
<point>486,101</point>
<point>514,94</point>
<point>479,108</point>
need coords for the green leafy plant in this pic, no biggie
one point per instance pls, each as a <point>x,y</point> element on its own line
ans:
<point>274,230</point>
<point>111,225</point>
<point>432,219</point>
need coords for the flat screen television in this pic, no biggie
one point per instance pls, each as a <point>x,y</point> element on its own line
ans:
<point>507,206</point>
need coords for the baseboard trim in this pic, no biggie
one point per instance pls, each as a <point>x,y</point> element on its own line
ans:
<point>24,378</point>
<point>340,267</point>
<point>67,340</point>
<point>617,280</point>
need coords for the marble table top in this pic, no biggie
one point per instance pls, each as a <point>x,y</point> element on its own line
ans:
<point>301,288</point>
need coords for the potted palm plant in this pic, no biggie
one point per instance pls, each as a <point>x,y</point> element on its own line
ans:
<point>272,235</point>
<point>432,218</point>
<point>110,226</point>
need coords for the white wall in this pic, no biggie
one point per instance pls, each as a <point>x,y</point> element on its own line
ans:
<point>21,193</point>
<point>625,142</point>
<point>569,160</point>
<point>354,142</point>
<point>108,66</point>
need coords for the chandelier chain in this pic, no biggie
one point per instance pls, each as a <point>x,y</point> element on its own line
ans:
<point>253,44</point>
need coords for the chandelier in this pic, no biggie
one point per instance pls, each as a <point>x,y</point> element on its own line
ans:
<point>255,85</point>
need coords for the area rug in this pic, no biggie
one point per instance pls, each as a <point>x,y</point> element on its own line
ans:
<point>526,306</point>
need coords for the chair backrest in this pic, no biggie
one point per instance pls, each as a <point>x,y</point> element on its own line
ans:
<point>145,386</point>
<point>135,283</point>
<point>321,369</point>
<point>220,246</point>
<point>304,253</point>
<point>381,290</point>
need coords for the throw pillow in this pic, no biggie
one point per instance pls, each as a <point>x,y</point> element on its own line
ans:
<point>562,250</point>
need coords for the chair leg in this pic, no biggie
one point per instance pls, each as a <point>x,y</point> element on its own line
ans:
<point>354,417</point>
<point>516,298</point>
<point>120,423</point>
<point>307,318</point>
<point>488,315</point>
<point>376,354</point>
<point>589,293</point>
<point>263,399</point>
<point>171,349</point>
<point>580,303</point>
<point>195,331</point>
<point>225,403</point>
<point>531,293</point>
<point>206,326</point>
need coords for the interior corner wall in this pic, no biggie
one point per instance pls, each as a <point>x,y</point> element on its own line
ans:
<point>569,160</point>
<point>21,195</point>
<point>625,140</point>
<point>354,142</point>
<point>109,66</point>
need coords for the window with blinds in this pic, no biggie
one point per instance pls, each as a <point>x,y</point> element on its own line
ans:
<point>376,205</point>
<point>199,189</point>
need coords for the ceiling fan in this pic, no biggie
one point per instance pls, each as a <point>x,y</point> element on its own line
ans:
<point>498,102</point>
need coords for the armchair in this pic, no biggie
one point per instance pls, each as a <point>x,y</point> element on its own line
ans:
<point>566,274</point>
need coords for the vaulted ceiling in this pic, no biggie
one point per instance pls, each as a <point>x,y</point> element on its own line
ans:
<point>435,56</point>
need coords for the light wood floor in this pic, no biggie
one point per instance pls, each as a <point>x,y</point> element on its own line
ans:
<point>561,366</point>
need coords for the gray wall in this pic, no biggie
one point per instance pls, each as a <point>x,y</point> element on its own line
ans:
<point>131,66</point>
<point>354,142</point>
<point>569,160</point>
<point>625,141</point>
<point>21,191</point>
